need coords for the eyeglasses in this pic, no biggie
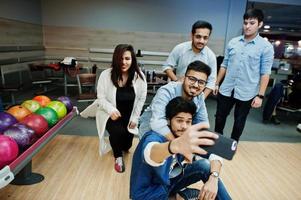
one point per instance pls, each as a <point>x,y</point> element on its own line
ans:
<point>193,80</point>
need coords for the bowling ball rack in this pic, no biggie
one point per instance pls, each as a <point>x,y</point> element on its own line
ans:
<point>19,172</point>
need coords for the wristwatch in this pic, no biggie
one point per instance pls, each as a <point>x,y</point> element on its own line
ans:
<point>214,174</point>
<point>260,96</point>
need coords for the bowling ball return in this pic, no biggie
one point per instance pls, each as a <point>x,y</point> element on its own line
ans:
<point>19,172</point>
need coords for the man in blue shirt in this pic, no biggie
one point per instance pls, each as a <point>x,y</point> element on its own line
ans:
<point>157,169</point>
<point>153,118</point>
<point>187,52</point>
<point>245,69</point>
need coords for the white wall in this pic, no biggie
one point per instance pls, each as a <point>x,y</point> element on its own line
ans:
<point>169,16</point>
<point>21,10</point>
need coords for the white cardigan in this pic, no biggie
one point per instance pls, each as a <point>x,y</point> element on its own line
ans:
<point>106,104</point>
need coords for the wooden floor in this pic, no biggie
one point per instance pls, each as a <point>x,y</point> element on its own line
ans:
<point>73,170</point>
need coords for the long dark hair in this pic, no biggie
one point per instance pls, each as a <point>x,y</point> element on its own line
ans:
<point>117,63</point>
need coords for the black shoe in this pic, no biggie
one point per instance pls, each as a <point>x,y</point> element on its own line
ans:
<point>189,194</point>
<point>274,120</point>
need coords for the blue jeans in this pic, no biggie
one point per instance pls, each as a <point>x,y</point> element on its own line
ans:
<point>198,170</point>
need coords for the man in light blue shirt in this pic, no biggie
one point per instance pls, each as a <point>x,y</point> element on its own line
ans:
<point>187,52</point>
<point>153,118</point>
<point>245,69</point>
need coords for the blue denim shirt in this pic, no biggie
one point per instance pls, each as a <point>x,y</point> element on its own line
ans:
<point>245,63</point>
<point>148,182</point>
<point>182,55</point>
<point>153,118</point>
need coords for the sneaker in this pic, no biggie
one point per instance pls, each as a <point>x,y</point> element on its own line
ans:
<point>119,165</point>
<point>299,127</point>
<point>189,194</point>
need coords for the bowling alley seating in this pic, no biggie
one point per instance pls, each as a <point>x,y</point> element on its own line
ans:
<point>11,87</point>
<point>86,87</point>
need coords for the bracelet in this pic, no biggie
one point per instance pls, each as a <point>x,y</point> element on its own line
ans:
<point>168,147</point>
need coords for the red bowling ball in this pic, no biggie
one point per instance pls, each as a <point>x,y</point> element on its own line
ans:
<point>43,100</point>
<point>36,122</point>
<point>8,150</point>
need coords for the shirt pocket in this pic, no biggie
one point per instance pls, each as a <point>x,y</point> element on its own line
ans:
<point>254,60</point>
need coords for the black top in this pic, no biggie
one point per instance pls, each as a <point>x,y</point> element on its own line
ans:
<point>125,98</point>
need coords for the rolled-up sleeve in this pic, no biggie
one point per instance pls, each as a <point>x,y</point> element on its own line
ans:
<point>172,60</point>
<point>267,60</point>
<point>212,77</point>
<point>158,122</point>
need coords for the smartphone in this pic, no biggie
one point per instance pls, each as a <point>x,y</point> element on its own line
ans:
<point>224,147</point>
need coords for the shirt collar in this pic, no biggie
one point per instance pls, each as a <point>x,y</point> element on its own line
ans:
<point>252,41</point>
<point>201,52</point>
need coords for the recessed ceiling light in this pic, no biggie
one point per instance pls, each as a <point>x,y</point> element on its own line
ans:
<point>277,42</point>
<point>280,29</point>
<point>267,26</point>
<point>266,30</point>
<point>269,17</point>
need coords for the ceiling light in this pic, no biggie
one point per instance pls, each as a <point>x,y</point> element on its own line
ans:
<point>277,42</point>
<point>299,43</point>
<point>267,26</point>
<point>266,30</point>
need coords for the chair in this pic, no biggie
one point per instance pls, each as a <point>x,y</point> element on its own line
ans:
<point>42,82</point>
<point>86,87</point>
<point>11,87</point>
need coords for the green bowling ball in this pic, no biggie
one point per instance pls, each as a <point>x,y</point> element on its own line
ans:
<point>31,105</point>
<point>59,108</point>
<point>49,114</point>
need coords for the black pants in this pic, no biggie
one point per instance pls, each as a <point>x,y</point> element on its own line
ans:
<point>224,107</point>
<point>120,138</point>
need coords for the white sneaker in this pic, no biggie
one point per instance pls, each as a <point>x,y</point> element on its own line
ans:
<point>299,127</point>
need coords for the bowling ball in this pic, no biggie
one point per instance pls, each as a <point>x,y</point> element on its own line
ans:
<point>23,135</point>
<point>19,112</point>
<point>36,122</point>
<point>6,120</point>
<point>68,103</point>
<point>8,150</point>
<point>42,99</point>
<point>59,108</point>
<point>31,105</point>
<point>49,114</point>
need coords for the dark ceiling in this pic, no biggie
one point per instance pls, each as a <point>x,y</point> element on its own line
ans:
<point>284,20</point>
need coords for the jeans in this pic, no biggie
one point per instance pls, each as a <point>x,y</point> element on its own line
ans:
<point>198,170</point>
<point>224,106</point>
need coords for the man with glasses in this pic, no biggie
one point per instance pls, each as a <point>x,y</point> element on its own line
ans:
<point>153,117</point>
<point>158,171</point>
<point>187,52</point>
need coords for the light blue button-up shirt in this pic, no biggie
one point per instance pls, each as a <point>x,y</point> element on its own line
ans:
<point>154,118</point>
<point>182,55</point>
<point>245,63</point>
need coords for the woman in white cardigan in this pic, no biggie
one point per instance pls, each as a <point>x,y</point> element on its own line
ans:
<point>121,93</point>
